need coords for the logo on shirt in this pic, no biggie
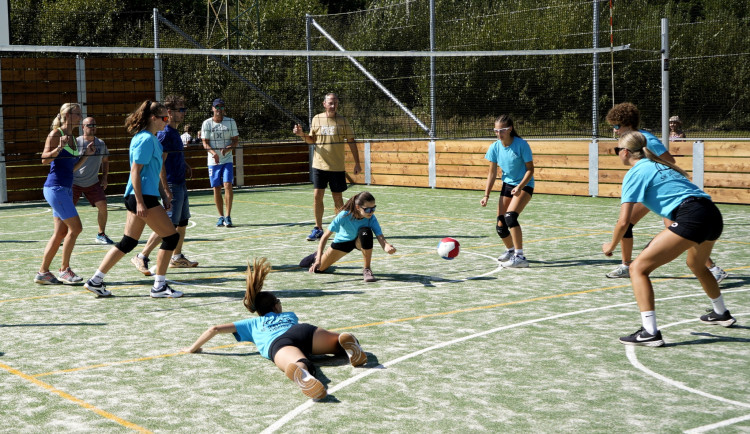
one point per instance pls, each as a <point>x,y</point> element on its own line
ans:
<point>674,225</point>
<point>328,130</point>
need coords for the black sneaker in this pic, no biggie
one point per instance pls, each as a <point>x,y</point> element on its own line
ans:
<point>726,319</point>
<point>165,291</point>
<point>308,260</point>
<point>643,338</point>
<point>100,290</point>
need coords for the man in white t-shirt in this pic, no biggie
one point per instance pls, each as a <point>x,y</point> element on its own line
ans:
<point>220,136</point>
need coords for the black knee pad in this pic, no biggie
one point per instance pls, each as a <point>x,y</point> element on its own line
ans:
<point>126,244</point>
<point>310,367</point>
<point>629,232</point>
<point>502,228</point>
<point>365,238</point>
<point>170,242</point>
<point>182,223</point>
<point>511,218</point>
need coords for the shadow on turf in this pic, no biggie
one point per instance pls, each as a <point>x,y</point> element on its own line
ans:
<point>327,360</point>
<point>75,324</point>
<point>714,338</point>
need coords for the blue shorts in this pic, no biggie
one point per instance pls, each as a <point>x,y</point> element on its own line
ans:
<point>180,204</point>
<point>61,201</point>
<point>221,174</point>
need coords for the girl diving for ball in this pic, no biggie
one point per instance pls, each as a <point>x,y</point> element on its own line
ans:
<point>354,226</point>
<point>280,336</point>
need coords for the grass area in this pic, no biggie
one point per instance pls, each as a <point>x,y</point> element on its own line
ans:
<point>459,345</point>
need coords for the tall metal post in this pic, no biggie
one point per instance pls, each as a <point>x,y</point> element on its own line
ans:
<point>157,59</point>
<point>595,76</point>
<point>433,122</point>
<point>665,82</point>
<point>309,71</point>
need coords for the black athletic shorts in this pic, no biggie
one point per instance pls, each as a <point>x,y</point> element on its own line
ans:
<point>150,201</point>
<point>344,246</point>
<point>323,178</point>
<point>697,219</point>
<point>507,188</point>
<point>299,335</point>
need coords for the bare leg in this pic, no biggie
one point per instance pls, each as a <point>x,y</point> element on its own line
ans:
<point>153,240</point>
<point>180,230</point>
<point>53,245</point>
<point>74,229</point>
<point>318,206</point>
<point>517,204</point>
<point>330,256</point>
<point>228,197</point>
<point>338,201</point>
<point>133,228</point>
<point>101,217</point>
<point>217,200</point>
<point>501,205</point>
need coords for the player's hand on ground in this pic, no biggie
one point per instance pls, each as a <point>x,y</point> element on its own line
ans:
<point>607,249</point>
<point>314,266</point>
<point>187,350</point>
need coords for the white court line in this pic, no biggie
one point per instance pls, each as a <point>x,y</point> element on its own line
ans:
<point>309,403</point>
<point>630,352</point>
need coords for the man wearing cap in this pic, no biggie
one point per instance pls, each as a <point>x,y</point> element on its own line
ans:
<point>329,132</point>
<point>86,179</point>
<point>220,136</point>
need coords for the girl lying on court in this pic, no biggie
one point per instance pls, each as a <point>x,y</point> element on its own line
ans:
<point>696,224</point>
<point>354,226</point>
<point>281,338</point>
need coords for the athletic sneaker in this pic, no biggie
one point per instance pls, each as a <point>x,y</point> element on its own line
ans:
<point>103,239</point>
<point>165,292</point>
<point>507,255</point>
<point>100,289</point>
<point>367,275</point>
<point>350,344</point>
<point>643,338</point>
<point>718,273</point>
<point>182,262</point>
<point>69,277</point>
<point>46,279</point>
<point>220,222</point>
<point>315,234</point>
<point>310,386</point>
<point>141,264</point>
<point>726,319</point>
<point>622,270</point>
<point>308,260</point>
<point>228,222</point>
<point>516,262</point>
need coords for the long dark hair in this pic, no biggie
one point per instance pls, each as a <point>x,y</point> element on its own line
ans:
<point>137,121</point>
<point>358,199</point>
<point>506,121</point>
<point>255,300</point>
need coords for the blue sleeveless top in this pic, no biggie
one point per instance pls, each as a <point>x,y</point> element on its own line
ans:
<point>61,169</point>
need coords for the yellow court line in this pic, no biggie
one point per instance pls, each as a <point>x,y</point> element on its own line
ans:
<point>75,400</point>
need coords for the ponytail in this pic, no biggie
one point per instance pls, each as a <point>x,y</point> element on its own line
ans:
<point>508,122</point>
<point>358,199</point>
<point>64,109</point>
<point>254,300</point>
<point>138,120</point>
<point>635,142</point>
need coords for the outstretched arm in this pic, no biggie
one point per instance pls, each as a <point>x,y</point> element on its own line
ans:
<point>386,245</point>
<point>208,335</point>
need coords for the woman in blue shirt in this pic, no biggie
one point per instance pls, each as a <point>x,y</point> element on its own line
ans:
<point>280,336</point>
<point>695,225</point>
<point>513,155</point>
<point>63,156</point>
<point>354,226</point>
<point>142,201</point>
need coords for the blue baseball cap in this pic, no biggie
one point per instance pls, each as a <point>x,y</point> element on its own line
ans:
<point>218,101</point>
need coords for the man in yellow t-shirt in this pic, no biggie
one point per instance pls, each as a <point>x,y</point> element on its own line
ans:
<point>329,132</point>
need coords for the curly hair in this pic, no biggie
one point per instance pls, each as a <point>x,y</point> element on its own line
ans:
<point>625,114</point>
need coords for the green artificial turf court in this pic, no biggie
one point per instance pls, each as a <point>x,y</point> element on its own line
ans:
<point>459,345</point>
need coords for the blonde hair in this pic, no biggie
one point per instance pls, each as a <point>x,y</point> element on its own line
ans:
<point>64,110</point>
<point>256,275</point>
<point>635,142</point>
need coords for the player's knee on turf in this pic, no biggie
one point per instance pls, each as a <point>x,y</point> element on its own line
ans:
<point>502,228</point>
<point>126,244</point>
<point>170,242</point>
<point>365,238</point>
<point>511,219</point>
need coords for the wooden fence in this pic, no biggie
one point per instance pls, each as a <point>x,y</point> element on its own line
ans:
<point>561,167</point>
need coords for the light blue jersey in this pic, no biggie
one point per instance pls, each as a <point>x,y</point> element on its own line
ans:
<point>658,187</point>
<point>145,149</point>
<point>512,160</point>
<point>263,330</point>
<point>347,227</point>
<point>653,143</point>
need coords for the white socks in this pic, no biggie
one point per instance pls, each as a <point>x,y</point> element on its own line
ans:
<point>159,281</point>
<point>519,252</point>
<point>98,277</point>
<point>648,319</point>
<point>718,304</point>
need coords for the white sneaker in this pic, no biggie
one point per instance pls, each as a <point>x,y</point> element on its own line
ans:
<point>507,255</point>
<point>165,292</point>
<point>516,262</point>
<point>622,271</point>
<point>718,273</point>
